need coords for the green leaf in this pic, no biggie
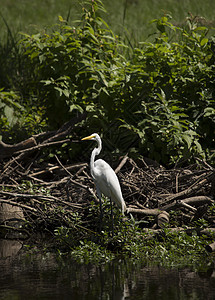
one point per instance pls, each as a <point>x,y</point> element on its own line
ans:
<point>188,139</point>
<point>66,93</point>
<point>209,111</point>
<point>204,41</point>
<point>76,107</point>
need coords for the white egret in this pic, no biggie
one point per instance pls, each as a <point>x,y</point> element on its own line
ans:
<point>104,177</point>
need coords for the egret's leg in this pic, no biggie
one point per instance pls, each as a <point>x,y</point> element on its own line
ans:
<point>101,214</point>
<point>100,206</point>
<point>111,209</point>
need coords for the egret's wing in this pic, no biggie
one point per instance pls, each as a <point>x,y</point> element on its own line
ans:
<point>108,183</point>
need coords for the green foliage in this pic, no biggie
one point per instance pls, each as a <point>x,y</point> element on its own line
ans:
<point>155,100</point>
<point>9,109</point>
<point>74,66</point>
<point>17,120</point>
<point>161,98</point>
<point>169,249</point>
<point>85,244</point>
<point>70,234</point>
<point>170,86</point>
<point>89,252</point>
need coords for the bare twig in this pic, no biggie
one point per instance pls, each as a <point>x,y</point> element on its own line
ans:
<point>40,146</point>
<point>121,163</point>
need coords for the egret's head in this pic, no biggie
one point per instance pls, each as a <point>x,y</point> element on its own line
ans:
<point>92,137</point>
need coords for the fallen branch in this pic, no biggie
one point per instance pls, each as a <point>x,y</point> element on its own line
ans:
<point>37,141</point>
<point>41,197</point>
<point>146,212</point>
<point>198,200</point>
<point>191,189</point>
<point>40,146</point>
<point>121,163</point>
<point>35,196</point>
<point>7,150</point>
<point>66,128</point>
<point>58,168</point>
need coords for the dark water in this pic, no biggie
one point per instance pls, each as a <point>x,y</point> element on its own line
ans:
<point>37,276</point>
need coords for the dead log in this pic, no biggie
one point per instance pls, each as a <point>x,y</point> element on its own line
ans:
<point>146,212</point>
<point>7,150</point>
<point>162,217</point>
<point>198,200</point>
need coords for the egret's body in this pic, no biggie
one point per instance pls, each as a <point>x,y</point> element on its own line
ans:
<point>105,178</point>
<point>107,183</point>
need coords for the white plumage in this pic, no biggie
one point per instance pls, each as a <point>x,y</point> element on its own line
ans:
<point>105,178</point>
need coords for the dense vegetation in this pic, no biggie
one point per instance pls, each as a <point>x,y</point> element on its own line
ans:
<point>153,100</point>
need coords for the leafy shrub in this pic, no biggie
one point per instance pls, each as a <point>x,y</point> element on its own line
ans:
<point>170,89</point>
<point>89,252</point>
<point>74,66</point>
<point>158,101</point>
<point>18,121</point>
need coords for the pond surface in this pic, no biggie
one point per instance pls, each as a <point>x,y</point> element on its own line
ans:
<point>35,276</point>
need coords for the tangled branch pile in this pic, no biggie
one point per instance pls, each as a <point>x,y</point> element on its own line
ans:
<point>49,195</point>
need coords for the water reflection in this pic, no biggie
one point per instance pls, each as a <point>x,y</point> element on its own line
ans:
<point>46,277</point>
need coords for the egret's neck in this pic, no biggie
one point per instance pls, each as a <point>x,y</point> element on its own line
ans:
<point>95,152</point>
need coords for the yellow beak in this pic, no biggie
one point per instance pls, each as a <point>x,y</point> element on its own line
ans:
<point>88,137</point>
